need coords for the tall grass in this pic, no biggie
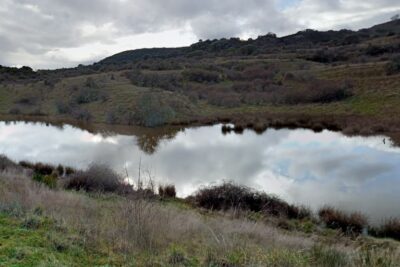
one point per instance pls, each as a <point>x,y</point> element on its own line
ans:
<point>170,234</point>
<point>133,226</point>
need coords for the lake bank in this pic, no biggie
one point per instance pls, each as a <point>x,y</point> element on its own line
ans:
<point>147,231</point>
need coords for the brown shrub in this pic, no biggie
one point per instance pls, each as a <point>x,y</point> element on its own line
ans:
<point>7,164</point>
<point>352,223</point>
<point>39,168</point>
<point>97,178</point>
<point>389,229</point>
<point>167,191</point>
<point>231,196</point>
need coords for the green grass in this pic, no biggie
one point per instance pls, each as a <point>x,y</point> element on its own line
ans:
<point>44,244</point>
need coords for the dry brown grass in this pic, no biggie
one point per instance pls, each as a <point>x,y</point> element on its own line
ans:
<point>131,227</point>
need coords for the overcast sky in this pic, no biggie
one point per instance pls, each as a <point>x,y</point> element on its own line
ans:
<point>64,33</point>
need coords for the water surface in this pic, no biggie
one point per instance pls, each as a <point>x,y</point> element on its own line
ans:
<point>300,166</point>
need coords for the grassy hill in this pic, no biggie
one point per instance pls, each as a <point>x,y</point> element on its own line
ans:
<point>343,80</point>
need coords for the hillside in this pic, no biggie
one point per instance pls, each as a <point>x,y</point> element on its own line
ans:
<point>341,80</point>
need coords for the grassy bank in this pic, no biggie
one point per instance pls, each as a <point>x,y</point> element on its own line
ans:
<point>42,224</point>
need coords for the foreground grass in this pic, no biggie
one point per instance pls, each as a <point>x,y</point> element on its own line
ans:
<point>38,241</point>
<point>44,227</point>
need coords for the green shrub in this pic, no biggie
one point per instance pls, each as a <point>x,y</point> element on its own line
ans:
<point>48,180</point>
<point>151,111</point>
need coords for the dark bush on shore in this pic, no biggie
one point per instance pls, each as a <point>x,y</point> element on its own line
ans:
<point>14,111</point>
<point>349,223</point>
<point>230,196</point>
<point>39,168</point>
<point>390,229</point>
<point>7,164</point>
<point>316,92</point>
<point>81,114</point>
<point>97,178</point>
<point>167,191</point>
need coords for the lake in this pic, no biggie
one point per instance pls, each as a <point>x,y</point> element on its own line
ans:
<point>300,166</point>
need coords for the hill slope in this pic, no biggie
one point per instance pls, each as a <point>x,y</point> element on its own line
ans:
<point>342,80</point>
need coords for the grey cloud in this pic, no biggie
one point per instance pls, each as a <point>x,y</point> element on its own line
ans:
<point>35,28</point>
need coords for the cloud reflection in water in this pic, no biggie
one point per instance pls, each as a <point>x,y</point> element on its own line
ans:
<point>314,169</point>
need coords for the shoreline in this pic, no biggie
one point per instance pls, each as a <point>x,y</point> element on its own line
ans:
<point>349,125</point>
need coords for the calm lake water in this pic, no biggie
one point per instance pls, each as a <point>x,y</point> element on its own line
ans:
<point>300,166</point>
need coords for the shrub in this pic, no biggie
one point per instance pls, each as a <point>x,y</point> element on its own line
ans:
<point>252,73</point>
<point>6,163</point>
<point>316,92</point>
<point>37,177</point>
<point>27,100</point>
<point>201,76</point>
<point>327,56</point>
<point>230,100</point>
<point>151,111</point>
<point>15,111</point>
<point>230,196</point>
<point>81,114</point>
<point>166,81</point>
<point>97,178</point>
<point>389,229</point>
<point>63,107</point>
<point>48,180</point>
<point>43,169</point>
<point>352,223</point>
<point>393,67</point>
<point>167,191</point>
<point>88,95</point>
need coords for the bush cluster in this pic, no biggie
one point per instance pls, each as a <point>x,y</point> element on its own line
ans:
<point>349,223</point>
<point>231,196</point>
<point>97,178</point>
<point>167,191</point>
